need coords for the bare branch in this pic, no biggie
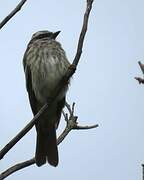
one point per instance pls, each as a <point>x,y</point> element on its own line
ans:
<point>83,32</point>
<point>142,171</point>
<point>65,115</point>
<point>141,66</point>
<point>61,84</point>
<point>139,79</point>
<point>7,18</point>
<point>68,107</point>
<point>86,127</point>
<point>16,167</point>
<point>73,106</point>
<point>71,124</point>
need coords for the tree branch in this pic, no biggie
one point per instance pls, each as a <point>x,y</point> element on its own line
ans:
<point>83,32</point>
<point>86,127</point>
<point>7,18</point>
<point>142,171</point>
<point>71,124</point>
<point>139,79</point>
<point>16,167</point>
<point>61,84</point>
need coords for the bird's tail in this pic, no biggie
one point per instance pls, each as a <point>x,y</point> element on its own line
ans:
<point>46,147</point>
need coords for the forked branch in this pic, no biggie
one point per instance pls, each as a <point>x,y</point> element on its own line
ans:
<point>71,124</point>
<point>139,79</point>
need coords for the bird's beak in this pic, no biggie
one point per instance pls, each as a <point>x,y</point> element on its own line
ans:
<point>56,34</point>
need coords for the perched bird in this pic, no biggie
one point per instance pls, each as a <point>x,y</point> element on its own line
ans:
<point>45,63</point>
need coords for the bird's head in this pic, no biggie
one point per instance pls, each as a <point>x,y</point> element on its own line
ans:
<point>45,34</point>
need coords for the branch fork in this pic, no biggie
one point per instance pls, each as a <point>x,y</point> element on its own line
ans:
<point>71,124</point>
<point>139,79</point>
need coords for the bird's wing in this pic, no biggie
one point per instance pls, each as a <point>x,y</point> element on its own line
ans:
<point>32,98</point>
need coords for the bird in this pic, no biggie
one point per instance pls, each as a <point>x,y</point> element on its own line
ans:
<point>45,63</point>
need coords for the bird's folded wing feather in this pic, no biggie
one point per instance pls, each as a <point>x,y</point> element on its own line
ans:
<point>32,98</point>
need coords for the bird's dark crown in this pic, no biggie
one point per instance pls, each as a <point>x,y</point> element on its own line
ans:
<point>45,34</point>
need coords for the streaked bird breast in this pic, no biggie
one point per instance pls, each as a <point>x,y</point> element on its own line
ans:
<point>48,64</point>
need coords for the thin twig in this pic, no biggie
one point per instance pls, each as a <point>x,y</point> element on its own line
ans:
<point>142,171</point>
<point>83,32</point>
<point>65,115</point>
<point>139,79</point>
<point>16,167</point>
<point>73,106</point>
<point>7,18</point>
<point>61,84</point>
<point>86,127</point>
<point>71,124</point>
<point>68,107</point>
<point>141,66</point>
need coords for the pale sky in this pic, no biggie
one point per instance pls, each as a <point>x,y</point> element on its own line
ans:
<point>103,88</point>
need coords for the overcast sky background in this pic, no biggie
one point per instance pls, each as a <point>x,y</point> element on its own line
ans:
<point>103,88</point>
